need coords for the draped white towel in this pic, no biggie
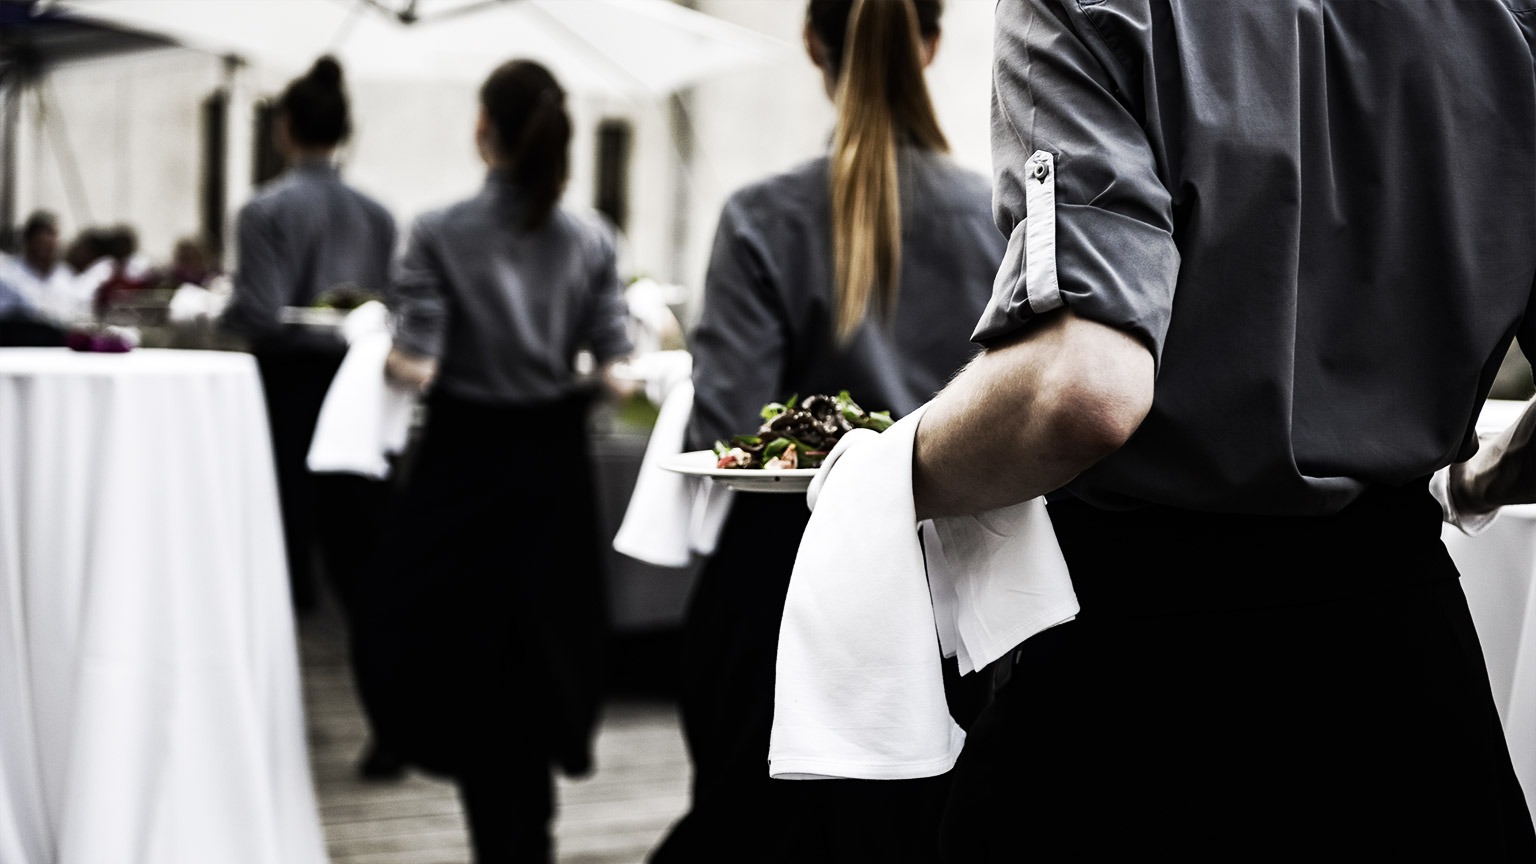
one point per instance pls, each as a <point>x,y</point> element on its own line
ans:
<point>860,691</point>
<point>365,417</point>
<point>193,303</point>
<point>671,516</point>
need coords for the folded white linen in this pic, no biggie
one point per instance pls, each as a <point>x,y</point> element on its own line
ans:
<point>1470,524</point>
<point>1496,416</point>
<point>193,303</point>
<point>860,691</point>
<point>671,516</point>
<point>997,579</point>
<point>365,417</point>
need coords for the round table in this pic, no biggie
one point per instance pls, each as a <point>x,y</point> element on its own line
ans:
<point>1498,574</point>
<point>150,707</point>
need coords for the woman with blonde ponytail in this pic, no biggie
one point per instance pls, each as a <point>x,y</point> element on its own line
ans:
<point>863,270</point>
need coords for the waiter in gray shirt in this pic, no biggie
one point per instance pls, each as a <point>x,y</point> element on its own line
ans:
<point>479,643</point>
<point>496,316</point>
<point>1264,261</point>
<point>304,235</point>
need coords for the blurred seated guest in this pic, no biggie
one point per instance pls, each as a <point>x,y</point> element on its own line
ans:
<point>19,326</point>
<point>38,280</point>
<point>477,641</point>
<point>192,264</point>
<point>12,304</point>
<point>123,247</point>
<point>88,248</point>
<point>123,270</point>
<point>303,234</point>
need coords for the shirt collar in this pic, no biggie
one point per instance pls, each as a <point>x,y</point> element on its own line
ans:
<point>500,185</point>
<point>318,166</point>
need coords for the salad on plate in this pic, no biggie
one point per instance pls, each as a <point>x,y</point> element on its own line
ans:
<point>798,433</point>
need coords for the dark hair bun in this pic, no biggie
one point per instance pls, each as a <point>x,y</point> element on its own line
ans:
<point>526,107</point>
<point>316,106</point>
<point>326,72</point>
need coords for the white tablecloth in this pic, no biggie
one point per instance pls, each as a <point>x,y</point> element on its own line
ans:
<point>150,708</point>
<point>1498,574</point>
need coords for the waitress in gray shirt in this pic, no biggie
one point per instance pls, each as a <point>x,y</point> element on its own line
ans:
<point>477,646</point>
<point>825,278</point>
<point>306,234</point>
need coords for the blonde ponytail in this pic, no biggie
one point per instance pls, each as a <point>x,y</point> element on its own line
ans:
<point>882,99</point>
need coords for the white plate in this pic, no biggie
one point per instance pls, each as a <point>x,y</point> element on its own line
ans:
<point>312,316</point>
<point>701,463</point>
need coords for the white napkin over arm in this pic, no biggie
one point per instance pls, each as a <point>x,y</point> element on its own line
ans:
<point>860,691</point>
<point>670,516</point>
<point>365,417</point>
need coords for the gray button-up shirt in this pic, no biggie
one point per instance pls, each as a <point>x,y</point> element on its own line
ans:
<point>767,330</point>
<point>505,309</point>
<point>1319,216</point>
<point>302,235</point>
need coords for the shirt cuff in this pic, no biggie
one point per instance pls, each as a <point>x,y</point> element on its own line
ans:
<point>1470,524</point>
<point>416,336</point>
<point>613,348</point>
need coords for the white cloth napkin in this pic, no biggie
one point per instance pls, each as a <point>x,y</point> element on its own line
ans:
<point>365,416</point>
<point>1470,525</point>
<point>997,579</point>
<point>671,516</point>
<point>193,303</point>
<point>860,691</point>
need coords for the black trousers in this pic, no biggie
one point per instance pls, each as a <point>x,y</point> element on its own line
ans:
<point>337,513</point>
<point>1247,688</point>
<point>738,813</point>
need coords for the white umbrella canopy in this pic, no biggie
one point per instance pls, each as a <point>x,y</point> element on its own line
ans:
<point>617,48</point>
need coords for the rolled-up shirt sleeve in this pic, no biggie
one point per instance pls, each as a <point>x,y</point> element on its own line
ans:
<point>417,301</point>
<point>1076,183</point>
<point>265,277</point>
<point>605,326</point>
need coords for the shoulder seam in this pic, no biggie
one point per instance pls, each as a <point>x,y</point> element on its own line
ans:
<point>1114,48</point>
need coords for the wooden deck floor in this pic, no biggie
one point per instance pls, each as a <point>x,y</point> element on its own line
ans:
<point>613,817</point>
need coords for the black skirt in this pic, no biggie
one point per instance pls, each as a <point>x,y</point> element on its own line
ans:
<point>1247,688</point>
<point>739,813</point>
<point>480,636</point>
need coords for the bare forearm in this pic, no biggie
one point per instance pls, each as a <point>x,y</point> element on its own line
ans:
<point>1025,418</point>
<point>1502,472</point>
<point>416,371</point>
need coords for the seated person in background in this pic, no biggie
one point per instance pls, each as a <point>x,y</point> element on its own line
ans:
<point>38,282</point>
<point>88,247</point>
<point>192,264</point>
<point>11,303</point>
<point>124,269</point>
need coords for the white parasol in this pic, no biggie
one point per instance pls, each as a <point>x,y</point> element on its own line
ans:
<point>623,48</point>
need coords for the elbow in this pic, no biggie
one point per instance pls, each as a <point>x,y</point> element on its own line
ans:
<point>1090,412</point>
